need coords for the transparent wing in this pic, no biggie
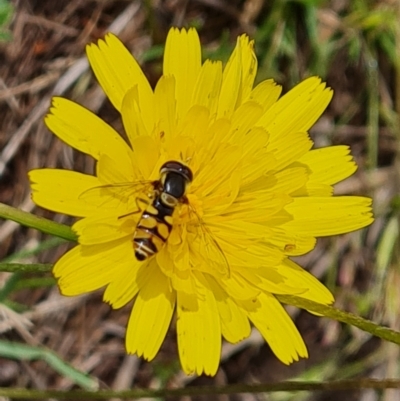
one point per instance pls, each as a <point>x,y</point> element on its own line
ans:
<point>129,194</point>
<point>207,246</point>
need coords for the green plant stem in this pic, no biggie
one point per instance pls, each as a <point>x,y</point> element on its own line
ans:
<point>344,317</point>
<point>39,223</point>
<point>339,385</point>
<point>25,268</point>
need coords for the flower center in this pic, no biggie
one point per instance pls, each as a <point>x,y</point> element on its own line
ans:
<point>190,212</point>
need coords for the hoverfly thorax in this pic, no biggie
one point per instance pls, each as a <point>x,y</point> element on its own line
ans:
<point>174,178</point>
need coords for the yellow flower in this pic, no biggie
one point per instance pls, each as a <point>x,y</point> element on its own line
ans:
<point>259,195</point>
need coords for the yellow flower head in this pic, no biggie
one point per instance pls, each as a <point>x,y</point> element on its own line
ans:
<point>200,211</point>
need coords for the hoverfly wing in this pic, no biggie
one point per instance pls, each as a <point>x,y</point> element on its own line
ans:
<point>207,246</point>
<point>113,195</point>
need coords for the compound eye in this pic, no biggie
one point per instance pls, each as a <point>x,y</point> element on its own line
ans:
<point>171,166</point>
<point>178,168</point>
<point>188,173</point>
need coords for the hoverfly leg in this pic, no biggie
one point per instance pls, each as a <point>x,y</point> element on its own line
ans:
<point>138,199</point>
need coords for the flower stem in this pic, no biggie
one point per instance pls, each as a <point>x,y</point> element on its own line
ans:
<point>345,317</point>
<point>39,223</point>
<point>289,386</point>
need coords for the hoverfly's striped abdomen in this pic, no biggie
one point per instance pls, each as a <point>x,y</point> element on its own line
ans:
<point>155,224</point>
<point>153,229</point>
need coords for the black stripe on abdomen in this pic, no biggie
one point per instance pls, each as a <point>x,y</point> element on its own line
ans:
<point>152,230</point>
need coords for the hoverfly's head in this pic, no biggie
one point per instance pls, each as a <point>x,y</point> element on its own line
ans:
<point>175,178</point>
<point>177,168</point>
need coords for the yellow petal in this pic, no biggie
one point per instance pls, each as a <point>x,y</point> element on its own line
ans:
<point>203,182</point>
<point>195,125</point>
<point>252,255</point>
<point>109,171</point>
<point>266,93</point>
<point>231,83</point>
<point>146,155</point>
<point>84,131</point>
<point>238,77</point>
<point>119,199</point>
<point>182,60</point>
<point>235,325</point>
<point>61,190</point>
<point>170,263</point>
<point>210,142</point>
<point>151,315</point>
<point>290,242</point>
<point>238,288</point>
<point>243,120</point>
<point>256,160</point>
<point>297,110</point>
<point>269,279</point>
<point>312,188</point>
<point>166,106</point>
<point>273,322</point>
<point>288,180</point>
<point>329,165</point>
<point>103,227</point>
<point>288,148</point>
<point>256,207</point>
<point>208,86</point>
<point>88,268</point>
<point>213,176</point>
<point>124,286</point>
<point>206,254</point>
<point>296,276</point>
<point>238,327</point>
<point>117,71</point>
<point>319,217</point>
<point>132,113</point>
<point>249,66</point>
<point>199,333</point>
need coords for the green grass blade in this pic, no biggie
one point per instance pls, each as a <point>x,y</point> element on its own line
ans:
<point>24,352</point>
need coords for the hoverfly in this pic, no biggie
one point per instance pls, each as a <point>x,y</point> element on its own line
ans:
<point>155,222</point>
